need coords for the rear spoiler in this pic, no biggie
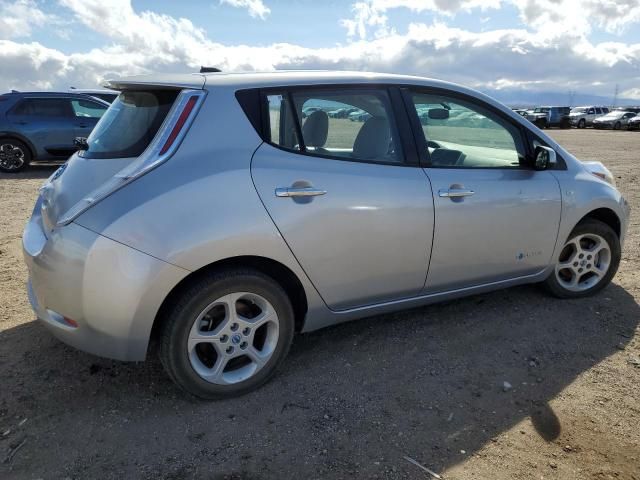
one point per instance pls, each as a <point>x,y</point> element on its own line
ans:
<point>171,82</point>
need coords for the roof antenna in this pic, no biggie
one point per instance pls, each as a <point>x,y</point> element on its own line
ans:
<point>209,70</point>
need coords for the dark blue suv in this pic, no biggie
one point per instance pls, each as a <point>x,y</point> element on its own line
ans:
<point>40,127</point>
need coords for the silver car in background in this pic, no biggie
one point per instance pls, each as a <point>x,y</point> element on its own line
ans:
<point>615,120</point>
<point>208,217</point>
<point>582,117</point>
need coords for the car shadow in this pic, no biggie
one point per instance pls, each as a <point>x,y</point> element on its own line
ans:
<point>31,172</point>
<point>435,383</point>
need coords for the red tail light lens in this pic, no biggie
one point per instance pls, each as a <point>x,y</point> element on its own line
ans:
<point>179,124</point>
<point>71,322</point>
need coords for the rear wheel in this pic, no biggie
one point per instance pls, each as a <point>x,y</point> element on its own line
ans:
<point>14,155</point>
<point>582,123</point>
<point>587,262</point>
<point>617,126</point>
<point>227,334</point>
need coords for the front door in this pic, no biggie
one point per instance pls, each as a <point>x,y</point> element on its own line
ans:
<point>357,217</point>
<point>496,218</point>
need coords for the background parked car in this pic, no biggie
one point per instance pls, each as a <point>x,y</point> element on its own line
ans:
<point>40,127</point>
<point>341,113</point>
<point>104,94</point>
<point>615,120</point>
<point>359,116</point>
<point>545,117</point>
<point>634,123</point>
<point>582,117</point>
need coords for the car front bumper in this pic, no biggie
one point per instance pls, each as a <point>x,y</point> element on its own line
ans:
<point>93,293</point>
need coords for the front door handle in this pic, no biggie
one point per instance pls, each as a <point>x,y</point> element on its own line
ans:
<point>299,192</point>
<point>455,192</point>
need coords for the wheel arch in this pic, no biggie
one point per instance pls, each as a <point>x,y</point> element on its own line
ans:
<point>606,216</point>
<point>272,268</point>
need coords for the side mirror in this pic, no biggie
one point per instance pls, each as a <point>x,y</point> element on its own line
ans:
<point>81,143</point>
<point>438,113</point>
<point>544,157</point>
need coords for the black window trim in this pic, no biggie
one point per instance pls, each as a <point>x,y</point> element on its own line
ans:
<point>420,139</point>
<point>409,157</point>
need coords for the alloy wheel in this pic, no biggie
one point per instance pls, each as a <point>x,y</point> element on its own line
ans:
<point>584,261</point>
<point>233,338</point>
<point>11,156</point>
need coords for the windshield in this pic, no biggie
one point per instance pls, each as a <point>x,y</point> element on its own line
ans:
<point>579,110</point>
<point>129,125</point>
<point>541,110</point>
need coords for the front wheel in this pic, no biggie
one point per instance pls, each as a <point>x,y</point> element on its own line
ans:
<point>582,123</point>
<point>14,155</point>
<point>587,262</point>
<point>227,334</point>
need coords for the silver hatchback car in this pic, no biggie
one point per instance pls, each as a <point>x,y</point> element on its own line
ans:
<point>206,214</point>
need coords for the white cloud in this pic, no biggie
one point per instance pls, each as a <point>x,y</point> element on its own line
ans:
<point>142,42</point>
<point>371,14</point>
<point>548,17</point>
<point>19,17</point>
<point>256,8</point>
<point>579,16</point>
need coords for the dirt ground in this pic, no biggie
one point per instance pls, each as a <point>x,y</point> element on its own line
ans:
<point>352,400</point>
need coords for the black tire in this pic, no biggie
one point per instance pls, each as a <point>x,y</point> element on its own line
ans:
<point>596,227</point>
<point>194,299</point>
<point>10,160</point>
<point>617,126</point>
<point>565,123</point>
<point>541,124</point>
<point>582,123</point>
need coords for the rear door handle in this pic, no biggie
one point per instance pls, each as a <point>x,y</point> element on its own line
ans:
<point>299,192</point>
<point>455,192</point>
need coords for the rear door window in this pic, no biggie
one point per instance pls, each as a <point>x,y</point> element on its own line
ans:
<point>343,124</point>
<point>130,123</point>
<point>43,107</point>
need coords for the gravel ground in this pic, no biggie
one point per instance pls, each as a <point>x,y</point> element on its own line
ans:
<point>352,400</point>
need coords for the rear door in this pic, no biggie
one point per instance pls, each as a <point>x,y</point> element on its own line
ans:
<point>495,217</point>
<point>48,122</point>
<point>346,193</point>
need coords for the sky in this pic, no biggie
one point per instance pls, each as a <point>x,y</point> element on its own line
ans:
<point>569,47</point>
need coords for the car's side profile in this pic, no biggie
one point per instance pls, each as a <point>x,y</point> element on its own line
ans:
<point>582,117</point>
<point>545,117</point>
<point>40,127</point>
<point>615,119</point>
<point>219,214</point>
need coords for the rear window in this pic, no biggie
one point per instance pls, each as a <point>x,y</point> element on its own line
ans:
<point>130,123</point>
